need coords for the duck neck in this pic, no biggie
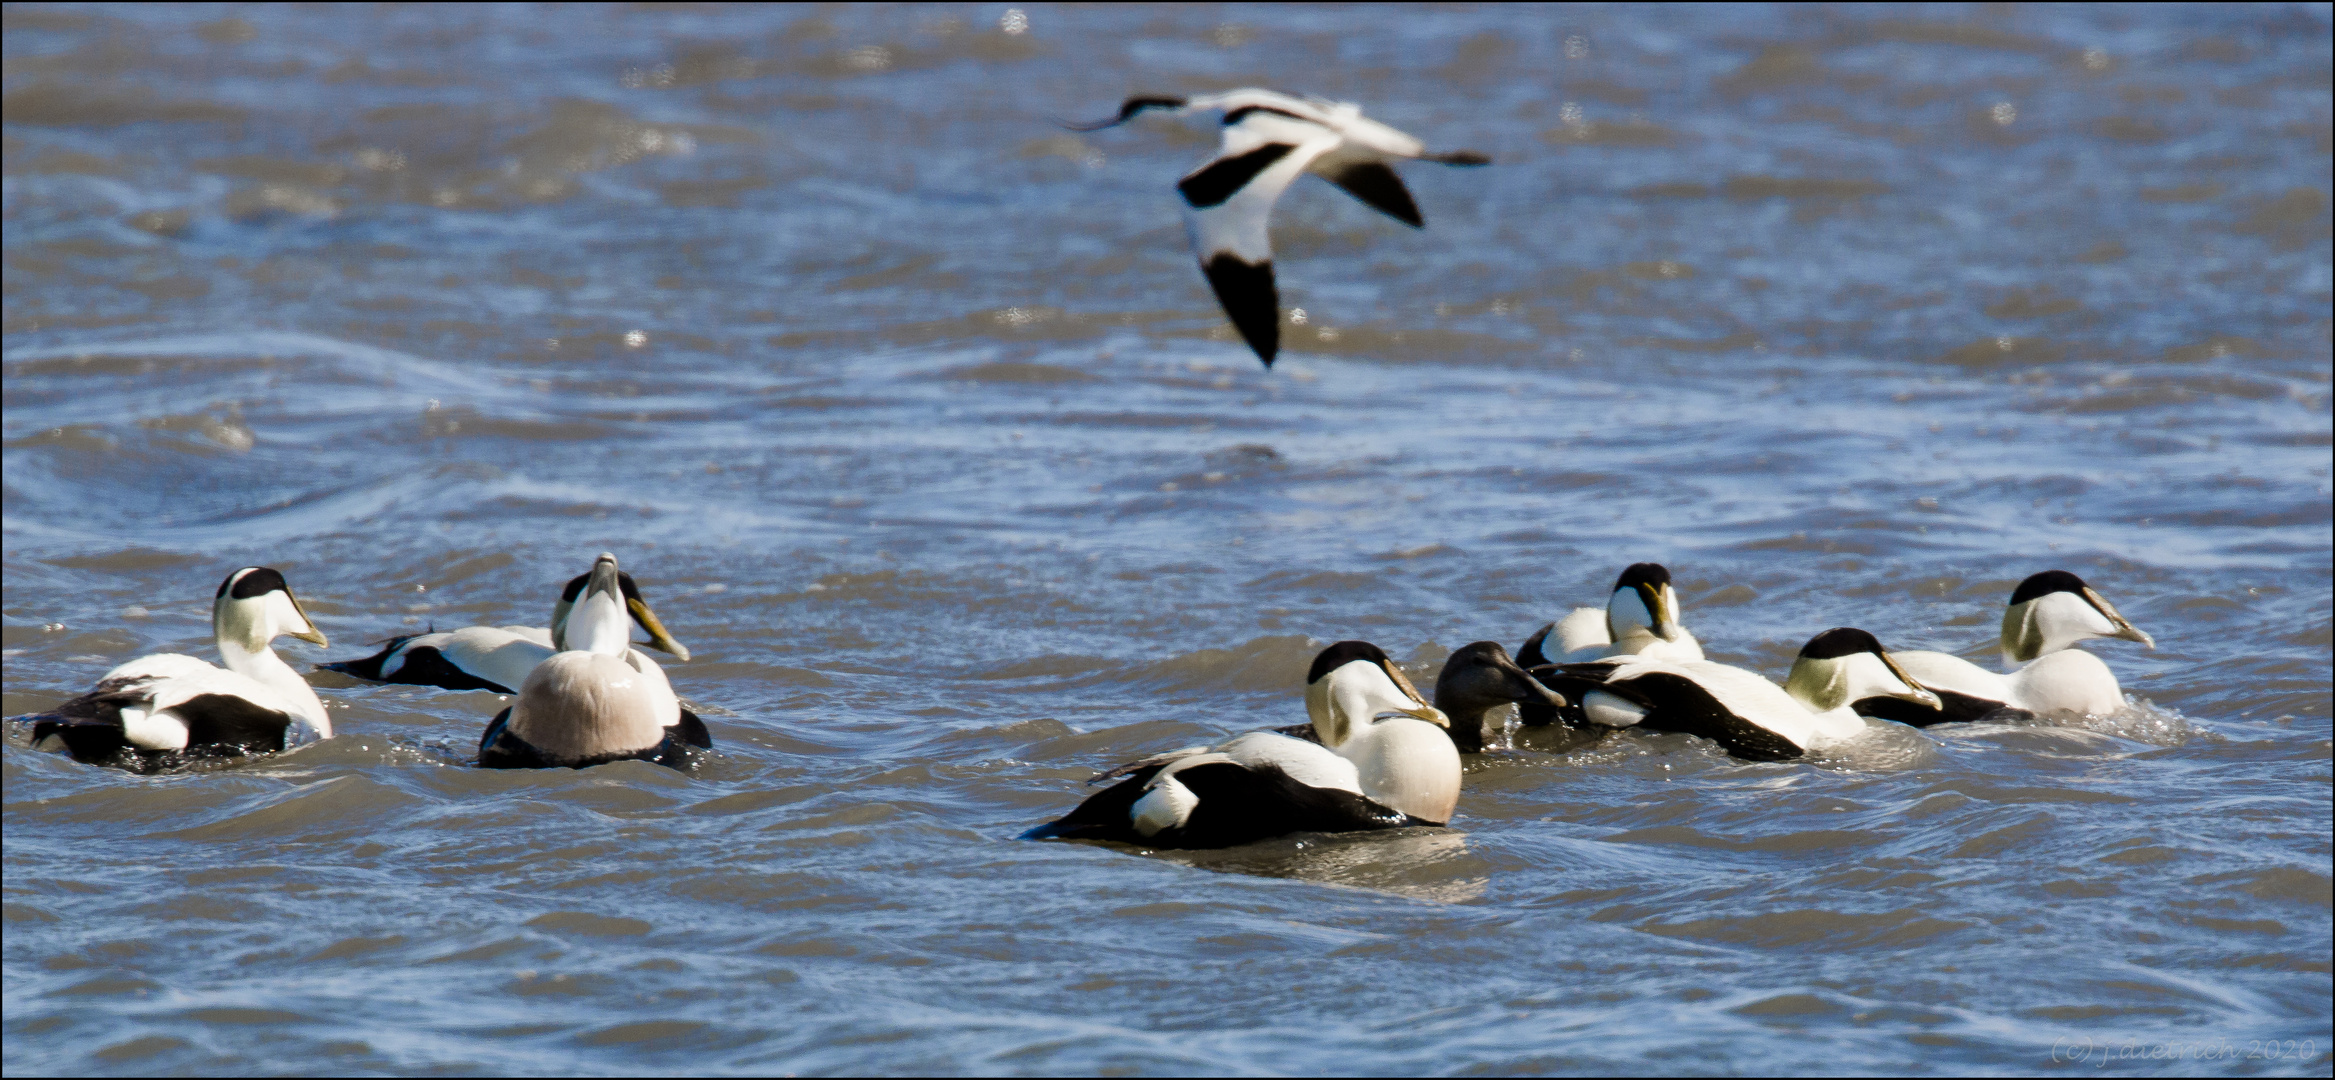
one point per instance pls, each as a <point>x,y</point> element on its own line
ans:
<point>1819,686</point>
<point>1468,715</point>
<point>263,666</point>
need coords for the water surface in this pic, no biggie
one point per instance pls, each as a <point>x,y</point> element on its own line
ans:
<point>919,427</point>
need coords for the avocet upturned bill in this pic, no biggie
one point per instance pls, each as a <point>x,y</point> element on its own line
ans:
<point>2048,614</point>
<point>155,706</point>
<point>1269,139</point>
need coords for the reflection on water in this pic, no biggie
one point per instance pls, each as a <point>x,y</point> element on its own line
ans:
<point>912,415</point>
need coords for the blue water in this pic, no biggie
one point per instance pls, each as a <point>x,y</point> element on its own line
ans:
<point>915,420</point>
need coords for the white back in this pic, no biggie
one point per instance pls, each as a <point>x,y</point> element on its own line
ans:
<point>1238,224</point>
<point>1744,693</point>
<point>499,654</point>
<point>1582,634</point>
<point>1308,763</point>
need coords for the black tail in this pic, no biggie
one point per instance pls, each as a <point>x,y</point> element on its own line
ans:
<point>90,740</point>
<point>368,668</point>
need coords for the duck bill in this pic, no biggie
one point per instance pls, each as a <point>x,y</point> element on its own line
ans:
<point>658,638</point>
<point>1660,606</point>
<point>1430,714</point>
<point>312,634</point>
<point>1914,691</point>
<point>1523,687</point>
<point>2124,627</point>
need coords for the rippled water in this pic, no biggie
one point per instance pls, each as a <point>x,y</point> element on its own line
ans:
<point>918,426</point>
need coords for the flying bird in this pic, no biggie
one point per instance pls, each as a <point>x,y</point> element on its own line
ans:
<point>1269,139</point>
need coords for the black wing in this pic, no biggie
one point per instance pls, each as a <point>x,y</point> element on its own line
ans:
<point>1105,815</point>
<point>1250,300</point>
<point>691,730</point>
<point>499,749</point>
<point>1375,183</point>
<point>424,666</point>
<point>1958,708</point>
<point>368,668</point>
<point>1677,703</point>
<point>1533,654</point>
<point>1221,179</point>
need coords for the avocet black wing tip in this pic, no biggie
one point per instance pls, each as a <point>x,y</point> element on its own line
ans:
<point>1250,300</point>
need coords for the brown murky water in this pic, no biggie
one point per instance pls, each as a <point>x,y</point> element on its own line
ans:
<point>914,419</point>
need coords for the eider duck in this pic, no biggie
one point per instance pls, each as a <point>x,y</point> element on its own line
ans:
<point>1748,715</point>
<point>1478,678</point>
<point>596,701</point>
<point>1269,140</point>
<point>1640,619</point>
<point>159,706</point>
<point>2048,614</point>
<point>1368,770</point>
<point>495,658</point>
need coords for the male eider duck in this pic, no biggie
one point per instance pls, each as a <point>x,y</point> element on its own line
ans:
<point>1269,140</point>
<point>495,658</point>
<point>598,700</point>
<point>2048,614</point>
<point>156,706</point>
<point>1640,619</point>
<point>1382,761</point>
<point>1750,716</point>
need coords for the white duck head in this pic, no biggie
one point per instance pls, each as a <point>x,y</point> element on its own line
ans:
<point>1353,683</point>
<point>630,601</point>
<point>1644,603</point>
<point>1843,665</point>
<point>2055,609</point>
<point>254,607</point>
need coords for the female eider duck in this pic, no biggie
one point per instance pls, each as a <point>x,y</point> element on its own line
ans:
<point>1479,678</point>
<point>1270,139</point>
<point>1640,619</point>
<point>596,701</point>
<point>1369,770</point>
<point>2048,614</point>
<point>169,703</point>
<point>495,658</point>
<point>1750,716</point>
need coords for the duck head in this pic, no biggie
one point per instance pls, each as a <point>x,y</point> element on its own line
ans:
<point>1477,679</point>
<point>633,604</point>
<point>254,607</point>
<point>1644,603</point>
<point>1845,664</point>
<point>2055,609</point>
<point>1352,683</point>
